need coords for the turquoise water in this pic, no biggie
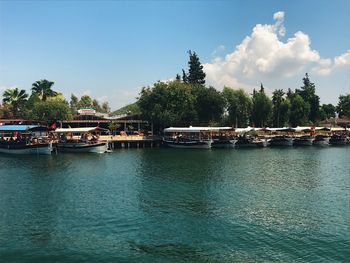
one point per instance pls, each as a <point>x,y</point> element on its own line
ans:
<point>173,205</point>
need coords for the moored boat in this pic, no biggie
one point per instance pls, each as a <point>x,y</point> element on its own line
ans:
<point>281,140</point>
<point>305,140</point>
<point>321,140</point>
<point>21,139</point>
<point>188,137</point>
<point>249,142</point>
<point>339,139</point>
<point>222,137</point>
<point>81,140</point>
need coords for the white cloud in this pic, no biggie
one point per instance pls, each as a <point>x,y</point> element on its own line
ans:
<point>264,56</point>
<point>342,60</point>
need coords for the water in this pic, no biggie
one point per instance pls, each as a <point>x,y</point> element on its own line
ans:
<point>173,205</point>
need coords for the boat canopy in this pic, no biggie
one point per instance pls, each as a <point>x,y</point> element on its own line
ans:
<point>17,128</point>
<point>79,130</point>
<point>284,129</point>
<point>187,129</point>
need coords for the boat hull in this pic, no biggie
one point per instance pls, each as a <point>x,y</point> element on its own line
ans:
<point>189,144</point>
<point>324,141</point>
<point>303,141</point>
<point>82,147</point>
<point>281,142</point>
<point>37,149</point>
<point>223,144</point>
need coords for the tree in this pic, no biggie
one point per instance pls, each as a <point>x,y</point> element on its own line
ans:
<point>277,99</point>
<point>209,104</point>
<point>238,105</point>
<point>299,111</point>
<point>343,107</point>
<point>113,126</point>
<point>43,88</point>
<point>327,111</point>
<point>307,92</point>
<point>195,74</point>
<point>96,106</point>
<point>16,99</point>
<point>74,104</point>
<point>85,102</point>
<point>130,109</point>
<point>262,109</point>
<point>168,104</point>
<point>105,107</point>
<point>51,111</point>
<point>178,78</point>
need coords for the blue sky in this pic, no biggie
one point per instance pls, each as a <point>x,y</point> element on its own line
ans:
<point>110,49</point>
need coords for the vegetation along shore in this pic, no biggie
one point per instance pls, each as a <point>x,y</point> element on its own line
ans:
<point>185,101</point>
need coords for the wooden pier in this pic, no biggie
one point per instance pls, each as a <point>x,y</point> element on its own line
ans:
<point>132,141</point>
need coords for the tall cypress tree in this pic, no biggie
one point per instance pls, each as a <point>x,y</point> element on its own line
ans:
<point>196,74</point>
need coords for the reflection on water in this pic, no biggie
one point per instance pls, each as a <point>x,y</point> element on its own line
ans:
<point>166,205</point>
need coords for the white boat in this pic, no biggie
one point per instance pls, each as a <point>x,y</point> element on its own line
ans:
<point>188,137</point>
<point>77,140</point>
<point>20,139</point>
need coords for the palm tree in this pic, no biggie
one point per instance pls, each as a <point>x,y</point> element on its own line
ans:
<point>43,88</point>
<point>16,98</point>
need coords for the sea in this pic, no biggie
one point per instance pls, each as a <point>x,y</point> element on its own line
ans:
<point>177,205</point>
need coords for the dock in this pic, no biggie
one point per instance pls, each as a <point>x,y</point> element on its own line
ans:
<point>131,141</point>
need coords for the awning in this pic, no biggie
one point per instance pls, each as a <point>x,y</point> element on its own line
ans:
<point>79,130</point>
<point>187,129</point>
<point>16,128</point>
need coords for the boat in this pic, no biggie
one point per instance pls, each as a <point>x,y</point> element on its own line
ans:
<point>245,141</point>
<point>305,140</point>
<point>321,140</point>
<point>81,140</point>
<point>23,139</point>
<point>222,137</point>
<point>282,137</point>
<point>188,137</point>
<point>322,136</point>
<point>339,139</point>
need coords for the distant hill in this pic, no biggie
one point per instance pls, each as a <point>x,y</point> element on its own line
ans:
<point>130,109</point>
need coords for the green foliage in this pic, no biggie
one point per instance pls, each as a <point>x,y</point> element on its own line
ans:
<point>16,99</point>
<point>307,92</point>
<point>96,106</point>
<point>281,108</point>
<point>6,112</point>
<point>299,111</point>
<point>343,107</point>
<point>43,88</point>
<point>239,106</point>
<point>74,104</point>
<point>262,108</point>
<point>85,102</point>
<point>327,111</point>
<point>130,109</point>
<point>209,104</point>
<point>168,104</point>
<point>195,74</point>
<point>113,126</point>
<point>51,111</point>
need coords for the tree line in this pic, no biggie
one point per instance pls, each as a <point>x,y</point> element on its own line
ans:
<point>44,104</point>
<point>184,101</point>
<point>187,101</point>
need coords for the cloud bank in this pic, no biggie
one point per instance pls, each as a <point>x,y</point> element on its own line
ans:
<point>264,55</point>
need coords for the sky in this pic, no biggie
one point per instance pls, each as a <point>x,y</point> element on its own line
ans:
<point>111,49</point>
